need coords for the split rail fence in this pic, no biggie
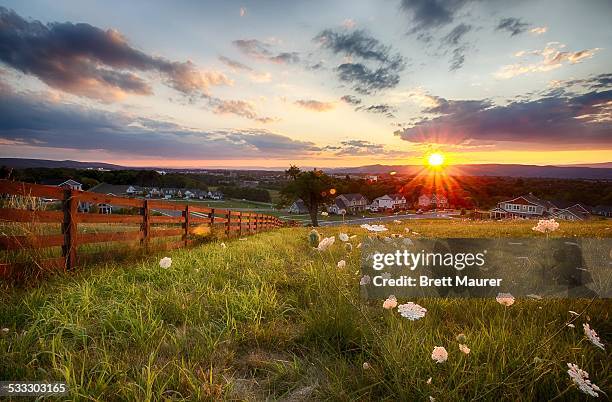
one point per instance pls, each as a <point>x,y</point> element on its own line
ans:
<point>188,220</point>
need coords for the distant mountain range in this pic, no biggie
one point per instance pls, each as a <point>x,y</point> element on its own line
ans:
<point>562,172</point>
<point>20,163</point>
<point>582,171</point>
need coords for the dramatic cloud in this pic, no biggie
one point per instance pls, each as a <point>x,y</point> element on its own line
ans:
<point>88,61</point>
<point>41,123</point>
<point>364,148</point>
<point>255,76</point>
<point>351,100</point>
<point>551,58</point>
<point>359,44</point>
<point>580,119</point>
<point>601,81</point>
<point>385,109</point>
<point>454,41</point>
<point>233,64</point>
<point>513,25</point>
<point>262,51</point>
<point>238,108</point>
<point>315,105</point>
<point>428,14</point>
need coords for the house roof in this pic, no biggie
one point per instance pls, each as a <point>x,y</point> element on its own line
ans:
<point>352,196</point>
<point>58,182</point>
<point>340,203</point>
<point>396,196</point>
<point>603,208</point>
<point>105,188</point>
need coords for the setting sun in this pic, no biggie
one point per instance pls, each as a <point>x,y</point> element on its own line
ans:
<point>435,159</point>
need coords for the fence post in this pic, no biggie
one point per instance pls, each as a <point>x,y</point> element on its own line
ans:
<point>69,229</point>
<point>228,219</point>
<point>146,224</point>
<point>186,213</point>
<point>240,224</point>
<point>212,219</point>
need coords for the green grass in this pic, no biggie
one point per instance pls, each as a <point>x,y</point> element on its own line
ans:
<point>270,318</point>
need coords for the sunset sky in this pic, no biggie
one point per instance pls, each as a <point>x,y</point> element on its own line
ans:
<point>317,83</point>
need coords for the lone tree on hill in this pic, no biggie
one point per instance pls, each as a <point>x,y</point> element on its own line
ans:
<point>313,187</point>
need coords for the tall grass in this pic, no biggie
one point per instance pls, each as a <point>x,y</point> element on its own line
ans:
<point>271,318</point>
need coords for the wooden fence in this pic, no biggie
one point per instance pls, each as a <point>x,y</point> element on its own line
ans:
<point>190,217</point>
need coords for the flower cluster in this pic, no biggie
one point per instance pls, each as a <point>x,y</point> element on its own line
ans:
<point>546,225</point>
<point>165,262</point>
<point>390,303</point>
<point>505,299</point>
<point>581,379</point>
<point>411,311</point>
<point>439,354</point>
<point>592,336</point>
<point>374,228</point>
<point>326,243</point>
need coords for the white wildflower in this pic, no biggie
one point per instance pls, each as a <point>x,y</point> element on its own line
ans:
<point>534,296</point>
<point>592,336</point>
<point>390,303</point>
<point>365,280</point>
<point>464,348</point>
<point>432,399</point>
<point>341,264</point>
<point>429,380</point>
<point>397,221</point>
<point>411,311</point>
<point>325,243</point>
<point>505,299</point>
<point>439,354</point>
<point>324,213</point>
<point>546,225</point>
<point>165,262</point>
<point>5,330</point>
<point>581,379</point>
<point>573,312</point>
<point>374,228</point>
<point>407,230</point>
<point>366,366</point>
<point>343,237</point>
<point>223,245</point>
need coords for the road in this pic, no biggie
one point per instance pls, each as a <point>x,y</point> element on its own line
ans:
<point>378,219</point>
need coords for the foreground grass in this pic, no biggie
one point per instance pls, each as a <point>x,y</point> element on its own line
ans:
<point>270,318</point>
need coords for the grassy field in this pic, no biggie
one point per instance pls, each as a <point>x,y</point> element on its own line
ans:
<point>269,317</point>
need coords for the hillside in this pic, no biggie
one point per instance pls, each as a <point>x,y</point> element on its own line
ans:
<point>268,317</point>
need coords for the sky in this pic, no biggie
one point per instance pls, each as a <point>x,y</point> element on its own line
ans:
<point>314,83</point>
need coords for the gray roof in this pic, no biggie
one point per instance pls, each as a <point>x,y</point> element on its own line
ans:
<point>353,196</point>
<point>105,188</point>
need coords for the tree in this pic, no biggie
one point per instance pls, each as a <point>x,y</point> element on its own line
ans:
<point>293,172</point>
<point>312,187</point>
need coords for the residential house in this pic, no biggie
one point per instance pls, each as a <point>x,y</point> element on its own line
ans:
<point>432,201</point>
<point>603,210</point>
<point>389,202</point>
<point>118,190</point>
<point>530,206</point>
<point>67,184</point>
<point>350,203</point>
<point>298,207</point>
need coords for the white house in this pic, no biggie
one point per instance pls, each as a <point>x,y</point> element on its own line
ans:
<point>389,201</point>
<point>530,206</point>
<point>67,184</point>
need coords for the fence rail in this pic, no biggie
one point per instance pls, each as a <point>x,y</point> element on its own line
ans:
<point>191,219</point>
